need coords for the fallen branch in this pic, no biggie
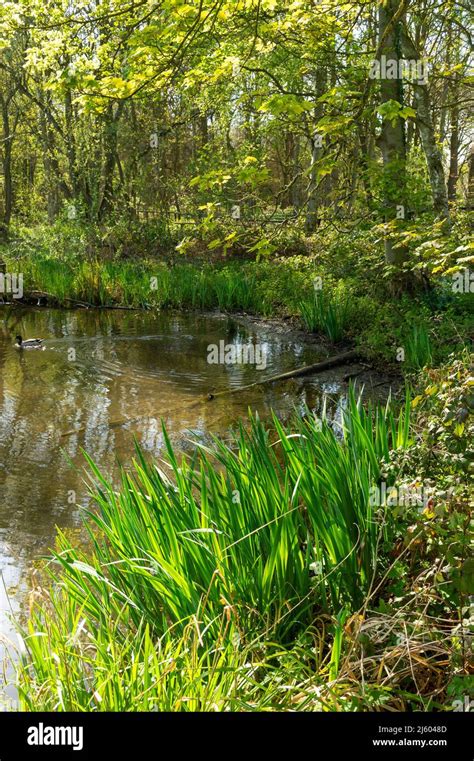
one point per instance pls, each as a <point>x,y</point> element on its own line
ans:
<point>77,302</point>
<point>339,359</point>
<point>319,367</point>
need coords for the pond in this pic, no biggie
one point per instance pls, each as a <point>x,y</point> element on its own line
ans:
<point>107,377</point>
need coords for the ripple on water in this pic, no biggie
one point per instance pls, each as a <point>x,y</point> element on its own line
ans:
<point>105,378</point>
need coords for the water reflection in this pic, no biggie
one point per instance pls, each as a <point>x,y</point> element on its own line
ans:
<point>99,370</point>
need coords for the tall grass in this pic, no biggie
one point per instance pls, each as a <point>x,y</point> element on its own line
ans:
<point>197,564</point>
<point>419,351</point>
<point>325,314</point>
<point>141,284</point>
<point>121,668</point>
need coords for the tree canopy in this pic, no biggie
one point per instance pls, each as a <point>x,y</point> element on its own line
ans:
<point>234,109</point>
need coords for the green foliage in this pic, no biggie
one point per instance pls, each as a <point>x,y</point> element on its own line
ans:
<point>325,314</point>
<point>244,543</point>
<point>447,408</point>
<point>418,349</point>
<point>124,151</point>
<point>355,303</point>
<point>250,573</point>
<point>115,668</point>
<point>240,536</point>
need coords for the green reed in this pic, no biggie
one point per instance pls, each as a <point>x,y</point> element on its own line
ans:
<point>243,542</point>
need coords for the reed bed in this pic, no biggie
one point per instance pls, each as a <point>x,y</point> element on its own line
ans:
<point>419,351</point>
<point>206,573</point>
<point>326,314</point>
<point>155,284</point>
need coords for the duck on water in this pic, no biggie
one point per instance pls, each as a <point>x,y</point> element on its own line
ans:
<point>30,343</point>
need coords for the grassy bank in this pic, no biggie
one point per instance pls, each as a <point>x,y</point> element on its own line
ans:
<point>339,288</point>
<point>297,567</point>
<point>303,161</point>
<point>265,574</point>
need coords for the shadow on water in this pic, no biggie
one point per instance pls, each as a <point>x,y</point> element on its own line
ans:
<point>99,369</point>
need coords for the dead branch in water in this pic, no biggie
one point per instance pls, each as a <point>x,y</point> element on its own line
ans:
<point>75,302</point>
<point>319,367</point>
<point>326,364</point>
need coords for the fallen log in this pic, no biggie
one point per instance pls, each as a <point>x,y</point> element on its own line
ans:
<point>325,364</point>
<point>76,302</point>
<point>319,367</point>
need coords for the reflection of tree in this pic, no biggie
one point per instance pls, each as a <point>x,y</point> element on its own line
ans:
<point>128,366</point>
<point>11,320</point>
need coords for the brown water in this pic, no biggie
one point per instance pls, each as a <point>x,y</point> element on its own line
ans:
<point>125,366</point>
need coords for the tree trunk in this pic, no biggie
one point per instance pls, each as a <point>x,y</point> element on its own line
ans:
<point>52,196</point>
<point>454,147</point>
<point>431,151</point>
<point>313,193</point>
<point>295,195</point>
<point>7,163</point>
<point>392,138</point>
<point>470,186</point>
<point>426,129</point>
<point>319,367</point>
<point>54,179</point>
<point>366,157</point>
<point>71,145</point>
<point>110,161</point>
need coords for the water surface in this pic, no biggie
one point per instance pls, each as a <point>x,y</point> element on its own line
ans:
<point>104,378</point>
